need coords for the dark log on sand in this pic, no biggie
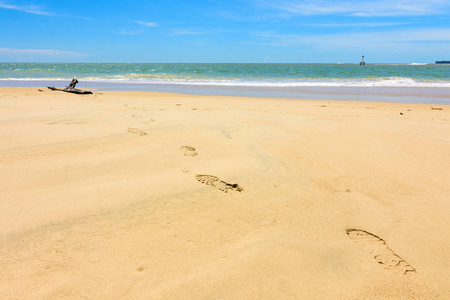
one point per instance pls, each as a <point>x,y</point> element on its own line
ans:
<point>71,88</point>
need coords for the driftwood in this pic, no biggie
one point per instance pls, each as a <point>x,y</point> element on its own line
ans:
<point>71,88</point>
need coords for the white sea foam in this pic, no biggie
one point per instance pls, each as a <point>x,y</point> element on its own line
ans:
<point>275,83</point>
<point>283,83</point>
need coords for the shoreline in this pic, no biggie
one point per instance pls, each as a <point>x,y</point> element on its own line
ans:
<point>428,95</point>
<point>165,195</point>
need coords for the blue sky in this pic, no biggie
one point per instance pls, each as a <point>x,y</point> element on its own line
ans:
<point>253,31</point>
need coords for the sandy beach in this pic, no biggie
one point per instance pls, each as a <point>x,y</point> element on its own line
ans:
<point>141,195</point>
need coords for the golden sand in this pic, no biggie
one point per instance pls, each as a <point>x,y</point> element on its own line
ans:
<point>138,195</point>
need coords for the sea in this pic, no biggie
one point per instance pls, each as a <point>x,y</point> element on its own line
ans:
<point>409,83</point>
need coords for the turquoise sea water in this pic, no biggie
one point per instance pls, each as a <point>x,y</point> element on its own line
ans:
<point>284,80</point>
<point>432,75</point>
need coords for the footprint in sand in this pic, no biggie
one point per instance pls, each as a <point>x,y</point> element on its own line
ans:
<point>217,183</point>
<point>148,122</point>
<point>188,151</point>
<point>380,251</point>
<point>136,131</point>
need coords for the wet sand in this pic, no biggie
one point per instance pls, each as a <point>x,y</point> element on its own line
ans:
<point>375,93</point>
<point>142,195</point>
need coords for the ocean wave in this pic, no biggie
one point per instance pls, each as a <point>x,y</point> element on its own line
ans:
<point>275,83</point>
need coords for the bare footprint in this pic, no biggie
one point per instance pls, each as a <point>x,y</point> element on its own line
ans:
<point>217,183</point>
<point>380,251</point>
<point>136,131</point>
<point>188,151</point>
<point>148,122</point>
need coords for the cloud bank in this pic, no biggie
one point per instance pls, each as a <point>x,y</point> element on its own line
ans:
<point>32,9</point>
<point>361,8</point>
<point>38,55</point>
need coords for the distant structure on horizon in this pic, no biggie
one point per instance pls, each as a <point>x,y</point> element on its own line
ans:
<point>362,63</point>
<point>443,61</point>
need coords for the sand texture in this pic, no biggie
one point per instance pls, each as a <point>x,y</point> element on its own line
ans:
<point>137,195</point>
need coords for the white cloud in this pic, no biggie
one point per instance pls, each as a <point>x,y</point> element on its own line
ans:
<point>359,40</point>
<point>45,52</point>
<point>146,24</point>
<point>370,24</point>
<point>362,8</point>
<point>39,55</point>
<point>32,9</point>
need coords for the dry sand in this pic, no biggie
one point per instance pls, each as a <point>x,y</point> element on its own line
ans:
<point>130,195</point>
